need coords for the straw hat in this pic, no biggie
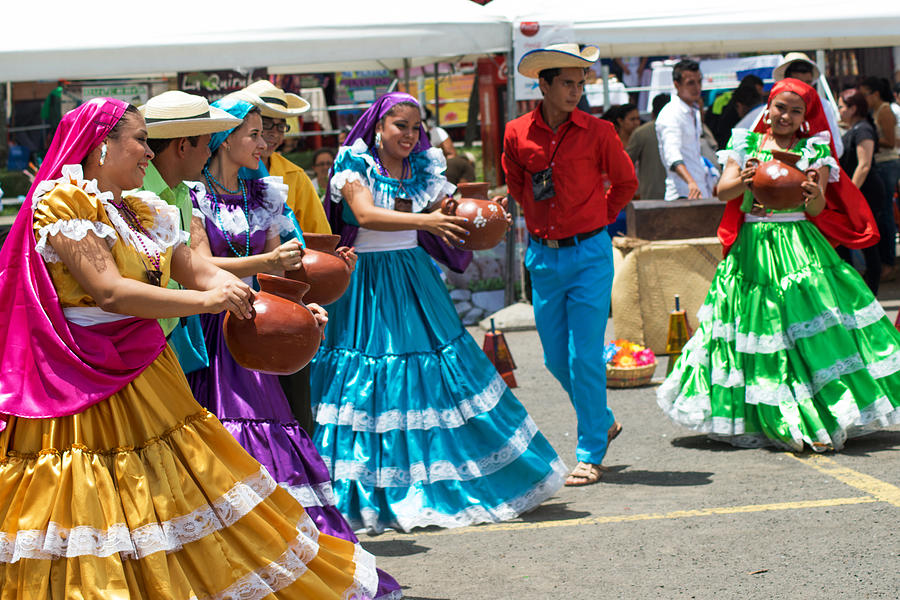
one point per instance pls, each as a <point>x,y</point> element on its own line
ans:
<point>176,114</point>
<point>275,102</point>
<point>557,56</point>
<point>792,57</point>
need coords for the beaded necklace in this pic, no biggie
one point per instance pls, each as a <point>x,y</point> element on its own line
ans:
<point>218,211</point>
<point>224,189</point>
<point>405,173</point>
<point>154,276</point>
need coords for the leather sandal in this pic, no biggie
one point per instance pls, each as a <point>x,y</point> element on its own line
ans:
<point>584,474</point>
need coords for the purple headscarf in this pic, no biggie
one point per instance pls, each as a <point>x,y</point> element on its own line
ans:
<point>49,366</point>
<point>364,129</point>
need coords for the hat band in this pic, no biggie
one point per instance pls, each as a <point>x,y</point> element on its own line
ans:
<point>200,116</point>
<point>278,101</point>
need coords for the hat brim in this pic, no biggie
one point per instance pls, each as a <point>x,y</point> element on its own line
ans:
<point>535,61</point>
<point>779,71</point>
<point>295,106</point>
<point>218,120</point>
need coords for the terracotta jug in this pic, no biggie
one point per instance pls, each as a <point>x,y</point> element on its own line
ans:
<point>326,273</point>
<point>487,220</point>
<point>776,183</point>
<point>282,336</point>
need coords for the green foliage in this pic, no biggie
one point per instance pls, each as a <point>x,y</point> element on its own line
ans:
<point>14,183</point>
<point>301,159</point>
<point>486,285</point>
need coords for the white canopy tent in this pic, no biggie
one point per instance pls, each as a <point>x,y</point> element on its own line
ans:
<point>94,38</point>
<point>651,27</point>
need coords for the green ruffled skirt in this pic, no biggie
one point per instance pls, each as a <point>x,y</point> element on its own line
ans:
<point>791,349</point>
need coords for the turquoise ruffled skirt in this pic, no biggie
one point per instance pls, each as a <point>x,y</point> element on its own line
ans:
<point>412,419</point>
<point>791,349</point>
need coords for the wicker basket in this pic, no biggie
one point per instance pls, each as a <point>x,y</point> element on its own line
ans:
<point>625,377</point>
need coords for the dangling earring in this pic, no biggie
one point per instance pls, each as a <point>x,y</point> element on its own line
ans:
<point>102,154</point>
<point>378,140</point>
<point>766,118</point>
<point>804,128</point>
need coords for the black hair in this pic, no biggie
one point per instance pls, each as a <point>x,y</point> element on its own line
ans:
<point>321,151</point>
<point>750,80</point>
<point>549,75</point>
<point>897,88</point>
<point>659,101</point>
<point>393,110</point>
<point>160,144</point>
<point>880,85</point>
<point>798,66</point>
<point>617,112</point>
<point>748,95</point>
<point>684,65</point>
<point>116,129</point>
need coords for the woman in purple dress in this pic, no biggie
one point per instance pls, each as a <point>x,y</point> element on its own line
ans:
<point>238,221</point>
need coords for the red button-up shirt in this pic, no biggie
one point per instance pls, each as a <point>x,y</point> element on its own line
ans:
<point>585,153</point>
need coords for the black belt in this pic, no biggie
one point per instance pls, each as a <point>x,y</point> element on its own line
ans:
<point>568,241</point>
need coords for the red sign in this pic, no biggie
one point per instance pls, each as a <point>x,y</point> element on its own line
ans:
<point>529,28</point>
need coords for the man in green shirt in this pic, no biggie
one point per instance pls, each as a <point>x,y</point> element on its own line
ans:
<point>179,126</point>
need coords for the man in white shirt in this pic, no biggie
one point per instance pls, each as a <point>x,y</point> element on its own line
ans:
<point>798,66</point>
<point>678,131</point>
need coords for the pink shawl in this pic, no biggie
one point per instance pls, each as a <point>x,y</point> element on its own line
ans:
<point>49,366</point>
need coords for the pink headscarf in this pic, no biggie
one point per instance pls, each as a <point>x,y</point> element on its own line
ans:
<point>49,366</point>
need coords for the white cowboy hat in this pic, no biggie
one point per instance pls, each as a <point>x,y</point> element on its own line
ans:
<point>792,57</point>
<point>557,56</point>
<point>175,114</point>
<point>275,102</point>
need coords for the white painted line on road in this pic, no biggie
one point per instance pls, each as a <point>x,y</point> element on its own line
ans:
<point>882,490</point>
<point>678,514</point>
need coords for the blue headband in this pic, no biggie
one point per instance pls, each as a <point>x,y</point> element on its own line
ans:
<point>239,108</point>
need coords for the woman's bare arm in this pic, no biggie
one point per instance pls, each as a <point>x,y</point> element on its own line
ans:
<point>92,265</point>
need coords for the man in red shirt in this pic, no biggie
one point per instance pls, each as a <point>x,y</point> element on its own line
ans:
<point>555,158</point>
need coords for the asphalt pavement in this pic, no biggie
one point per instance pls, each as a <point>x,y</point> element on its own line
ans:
<point>676,516</point>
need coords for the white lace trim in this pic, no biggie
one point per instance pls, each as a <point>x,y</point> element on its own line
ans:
<point>293,563</point>
<point>695,411</point>
<point>441,470</point>
<point>425,517</point>
<point>74,229</point>
<point>168,536</point>
<point>308,495</point>
<point>339,180</point>
<point>738,153</point>
<point>365,578</point>
<point>280,573</point>
<point>165,232</point>
<point>754,343</point>
<point>269,216</point>
<point>435,165</point>
<point>428,418</point>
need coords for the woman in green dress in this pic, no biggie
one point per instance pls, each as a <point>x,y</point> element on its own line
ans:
<point>792,349</point>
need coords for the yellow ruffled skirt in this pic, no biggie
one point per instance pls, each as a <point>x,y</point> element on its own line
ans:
<point>146,495</point>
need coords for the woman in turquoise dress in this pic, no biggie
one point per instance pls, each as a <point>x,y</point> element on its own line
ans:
<point>414,422</point>
<point>792,349</point>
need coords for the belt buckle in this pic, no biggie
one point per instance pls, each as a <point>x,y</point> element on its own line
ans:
<point>552,243</point>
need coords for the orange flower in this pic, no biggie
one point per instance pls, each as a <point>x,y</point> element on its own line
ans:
<point>627,361</point>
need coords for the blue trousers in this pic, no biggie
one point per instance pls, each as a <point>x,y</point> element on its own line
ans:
<point>571,289</point>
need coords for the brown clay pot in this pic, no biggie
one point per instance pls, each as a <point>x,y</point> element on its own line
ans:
<point>487,220</point>
<point>776,183</point>
<point>326,273</point>
<point>282,336</point>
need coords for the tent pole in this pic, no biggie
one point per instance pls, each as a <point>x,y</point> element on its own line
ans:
<point>512,266</point>
<point>406,74</point>
<point>605,71</point>
<point>437,98</point>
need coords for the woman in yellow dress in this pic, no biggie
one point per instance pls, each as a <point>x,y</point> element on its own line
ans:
<point>114,482</point>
